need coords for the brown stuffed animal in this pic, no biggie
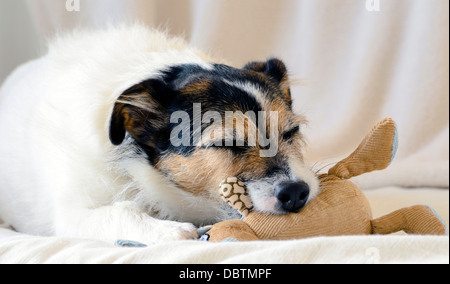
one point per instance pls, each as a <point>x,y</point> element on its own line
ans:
<point>340,209</point>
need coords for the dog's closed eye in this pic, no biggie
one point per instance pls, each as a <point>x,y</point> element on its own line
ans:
<point>237,146</point>
<point>288,135</point>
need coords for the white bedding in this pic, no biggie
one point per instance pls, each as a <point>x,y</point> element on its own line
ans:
<point>399,248</point>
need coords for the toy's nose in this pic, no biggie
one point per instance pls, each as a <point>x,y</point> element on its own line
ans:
<point>292,195</point>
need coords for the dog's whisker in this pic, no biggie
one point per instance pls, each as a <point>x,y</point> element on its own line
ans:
<point>322,167</point>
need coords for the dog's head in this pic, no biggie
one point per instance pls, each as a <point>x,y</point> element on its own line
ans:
<point>198,125</point>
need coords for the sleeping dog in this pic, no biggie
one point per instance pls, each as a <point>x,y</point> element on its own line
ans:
<point>124,134</point>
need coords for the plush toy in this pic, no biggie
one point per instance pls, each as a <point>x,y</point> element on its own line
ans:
<point>340,209</point>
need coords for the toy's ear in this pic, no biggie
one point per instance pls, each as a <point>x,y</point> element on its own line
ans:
<point>375,152</point>
<point>233,191</point>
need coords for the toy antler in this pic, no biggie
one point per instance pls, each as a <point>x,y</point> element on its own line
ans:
<point>233,191</point>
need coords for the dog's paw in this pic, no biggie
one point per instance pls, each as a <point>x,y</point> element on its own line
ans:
<point>148,230</point>
<point>175,231</point>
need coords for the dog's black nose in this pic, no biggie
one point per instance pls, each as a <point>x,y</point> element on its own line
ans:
<point>292,195</point>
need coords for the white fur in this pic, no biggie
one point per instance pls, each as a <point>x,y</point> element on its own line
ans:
<point>59,173</point>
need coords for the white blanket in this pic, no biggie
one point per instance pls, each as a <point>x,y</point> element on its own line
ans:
<point>353,249</point>
<point>399,248</point>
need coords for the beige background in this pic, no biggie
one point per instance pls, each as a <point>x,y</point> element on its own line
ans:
<point>358,66</point>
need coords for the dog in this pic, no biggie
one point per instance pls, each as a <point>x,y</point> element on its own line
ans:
<point>93,144</point>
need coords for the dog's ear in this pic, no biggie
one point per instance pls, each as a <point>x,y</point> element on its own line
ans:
<point>276,70</point>
<point>141,111</point>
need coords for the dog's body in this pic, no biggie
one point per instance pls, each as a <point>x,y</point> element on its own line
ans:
<point>84,139</point>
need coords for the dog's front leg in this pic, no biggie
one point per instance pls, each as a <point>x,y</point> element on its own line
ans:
<point>123,220</point>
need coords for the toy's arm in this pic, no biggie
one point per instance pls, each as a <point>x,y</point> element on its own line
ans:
<point>236,230</point>
<point>417,219</point>
<point>233,191</point>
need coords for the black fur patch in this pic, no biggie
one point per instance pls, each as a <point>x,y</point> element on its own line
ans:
<point>288,135</point>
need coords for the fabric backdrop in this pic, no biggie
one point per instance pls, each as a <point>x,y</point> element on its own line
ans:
<point>357,63</point>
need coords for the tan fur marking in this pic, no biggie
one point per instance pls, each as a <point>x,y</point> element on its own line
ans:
<point>197,88</point>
